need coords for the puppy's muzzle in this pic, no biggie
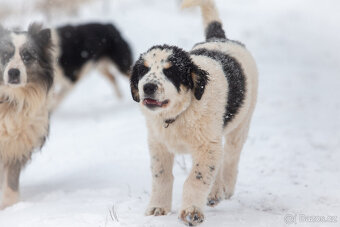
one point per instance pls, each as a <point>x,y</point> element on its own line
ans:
<point>14,76</point>
<point>150,89</point>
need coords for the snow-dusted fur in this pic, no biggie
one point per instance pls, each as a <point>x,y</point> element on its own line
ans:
<point>24,117</point>
<point>190,118</point>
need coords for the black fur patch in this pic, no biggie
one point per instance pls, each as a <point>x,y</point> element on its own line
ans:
<point>236,80</point>
<point>201,80</point>
<point>198,175</point>
<point>41,36</point>
<point>138,71</point>
<point>182,70</point>
<point>6,50</point>
<point>80,44</point>
<point>211,168</point>
<point>214,31</point>
<point>179,73</point>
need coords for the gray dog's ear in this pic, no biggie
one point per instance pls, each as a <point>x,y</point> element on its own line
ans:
<point>41,36</point>
<point>138,71</point>
<point>34,29</point>
<point>200,79</point>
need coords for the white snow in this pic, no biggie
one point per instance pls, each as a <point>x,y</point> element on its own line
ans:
<point>94,169</point>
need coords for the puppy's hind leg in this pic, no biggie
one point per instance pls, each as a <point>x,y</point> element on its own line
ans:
<point>224,185</point>
<point>10,186</point>
<point>234,142</point>
<point>162,180</point>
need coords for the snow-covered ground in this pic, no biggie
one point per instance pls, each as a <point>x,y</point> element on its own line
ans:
<point>94,169</point>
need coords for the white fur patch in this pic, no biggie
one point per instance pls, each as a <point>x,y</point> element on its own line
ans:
<point>16,61</point>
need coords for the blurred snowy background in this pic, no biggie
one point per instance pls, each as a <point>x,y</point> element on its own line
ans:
<point>94,169</point>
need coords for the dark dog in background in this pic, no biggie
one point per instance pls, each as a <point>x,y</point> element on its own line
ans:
<point>26,76</point>
<point>84,47</point>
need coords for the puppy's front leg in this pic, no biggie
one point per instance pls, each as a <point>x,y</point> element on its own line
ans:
<point>162,180</point>
<point>10,186</point>
<point>206,164</point>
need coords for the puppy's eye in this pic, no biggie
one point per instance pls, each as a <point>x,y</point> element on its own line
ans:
<point>27,57</point>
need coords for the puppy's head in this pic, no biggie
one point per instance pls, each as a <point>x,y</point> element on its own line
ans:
<point>165,78</point>
<point>25,57</point>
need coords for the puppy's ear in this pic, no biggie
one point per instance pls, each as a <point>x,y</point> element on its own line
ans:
<point>134,91</point>
<point>200,78</point>
<point>41,36</point>
<point>138,71</point>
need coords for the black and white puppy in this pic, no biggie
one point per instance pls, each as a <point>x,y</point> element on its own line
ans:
<point>83,47</point>
<point>191,101</point>
<point>26,76</point>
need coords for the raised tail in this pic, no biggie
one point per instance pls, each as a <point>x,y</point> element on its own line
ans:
<point>211,20</point>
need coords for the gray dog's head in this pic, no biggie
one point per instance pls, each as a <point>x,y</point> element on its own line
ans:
<point>25,57</point>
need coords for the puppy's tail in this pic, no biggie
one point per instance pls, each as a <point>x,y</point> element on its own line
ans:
<point>211,20</point>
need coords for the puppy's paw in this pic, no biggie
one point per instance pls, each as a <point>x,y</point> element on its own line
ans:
<point>9,199</point>
<point>6,204</point>
<point>156,211</point>
<point>228,192</point>
<point>215,196</point>
<point>192,216</point>
<point>213,201</point>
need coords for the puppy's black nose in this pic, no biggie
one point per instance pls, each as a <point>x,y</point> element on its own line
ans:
<point>150,88</point>
<point>13,76</point>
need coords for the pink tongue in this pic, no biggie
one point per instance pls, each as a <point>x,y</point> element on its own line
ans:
<point>152,102</point>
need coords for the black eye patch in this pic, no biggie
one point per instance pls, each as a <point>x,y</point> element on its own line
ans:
<point>142,70</point>
<point>6,52</point>
<point>5,56</point>
<point>179,75</point>
<point>174,74</point>
<point>27,56</point>
<point>138,71</point>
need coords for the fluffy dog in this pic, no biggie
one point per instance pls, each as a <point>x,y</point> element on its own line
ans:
<point>191,101</point>
<point>26,76</point>
<point>80,48</point>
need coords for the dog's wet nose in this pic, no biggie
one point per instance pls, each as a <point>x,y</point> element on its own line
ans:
<point>14,76</point>
<point>150,88</point>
